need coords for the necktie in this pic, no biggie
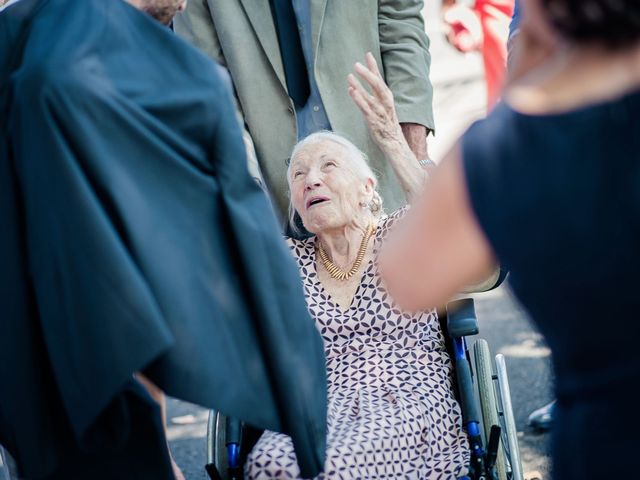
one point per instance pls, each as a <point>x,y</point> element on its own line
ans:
<point>295,69</point>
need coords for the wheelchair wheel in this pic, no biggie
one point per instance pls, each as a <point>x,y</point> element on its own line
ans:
<point>216,445</point>
<point>229,442</point>
<point>488,402</point>
<point>509,423</point>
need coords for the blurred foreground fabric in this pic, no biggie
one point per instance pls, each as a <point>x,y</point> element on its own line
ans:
<point>132,238</point>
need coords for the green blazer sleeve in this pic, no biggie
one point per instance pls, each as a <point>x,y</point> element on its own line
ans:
<point>196,26</point>
<point>404,47</point>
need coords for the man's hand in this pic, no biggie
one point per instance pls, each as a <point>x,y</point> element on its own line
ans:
<point>416,136</point>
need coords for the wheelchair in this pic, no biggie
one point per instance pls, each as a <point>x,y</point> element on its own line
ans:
<point>482,388</point>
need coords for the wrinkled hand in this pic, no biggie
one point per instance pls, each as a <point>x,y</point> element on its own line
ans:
<point>378,108</point>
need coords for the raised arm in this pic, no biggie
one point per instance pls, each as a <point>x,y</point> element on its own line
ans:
<point>406,61</point>
<point>439,248</point>
<point>380,114</point>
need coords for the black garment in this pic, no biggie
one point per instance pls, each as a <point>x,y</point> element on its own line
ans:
<point>558,197</point>
<point>295,69</point>
<point>132,238</point>
<point>138,451</point>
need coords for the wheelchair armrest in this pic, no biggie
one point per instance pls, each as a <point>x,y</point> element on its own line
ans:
<point>493,281</point>
<point>461,318</point>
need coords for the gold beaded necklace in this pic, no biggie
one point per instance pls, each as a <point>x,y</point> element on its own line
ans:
<point>334,270</point>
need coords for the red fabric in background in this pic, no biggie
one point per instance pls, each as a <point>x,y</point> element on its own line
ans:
<point>495,16</point>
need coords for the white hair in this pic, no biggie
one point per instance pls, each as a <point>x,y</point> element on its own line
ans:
<point>358,161</point>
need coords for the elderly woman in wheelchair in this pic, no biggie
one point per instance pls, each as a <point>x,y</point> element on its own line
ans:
<point>392,412</point>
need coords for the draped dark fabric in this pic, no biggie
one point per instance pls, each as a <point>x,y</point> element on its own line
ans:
<point>132,238</point>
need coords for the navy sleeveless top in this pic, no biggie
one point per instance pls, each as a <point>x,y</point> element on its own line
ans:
<point>558,197</point>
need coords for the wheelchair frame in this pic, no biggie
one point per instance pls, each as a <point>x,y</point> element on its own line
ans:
<point>484,398</point>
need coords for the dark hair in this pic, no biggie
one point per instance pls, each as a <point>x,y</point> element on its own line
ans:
<point>612,23</point>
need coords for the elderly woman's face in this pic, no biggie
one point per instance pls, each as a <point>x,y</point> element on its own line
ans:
<point>325,191</point>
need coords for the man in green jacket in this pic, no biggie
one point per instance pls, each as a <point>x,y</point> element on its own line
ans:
<point>287,93</point>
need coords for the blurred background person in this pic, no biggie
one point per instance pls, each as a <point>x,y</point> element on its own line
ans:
<point>482,26</point>
<point>548,184</point>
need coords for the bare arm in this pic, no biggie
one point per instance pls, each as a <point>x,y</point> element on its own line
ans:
<point>379,112</point>
<point>440,247</point>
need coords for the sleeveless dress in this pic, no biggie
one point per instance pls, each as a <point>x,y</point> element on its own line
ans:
<point>391,409</point>
<point>558,197</point>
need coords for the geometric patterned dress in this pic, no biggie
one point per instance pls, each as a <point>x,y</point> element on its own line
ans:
<point>391,409</point>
